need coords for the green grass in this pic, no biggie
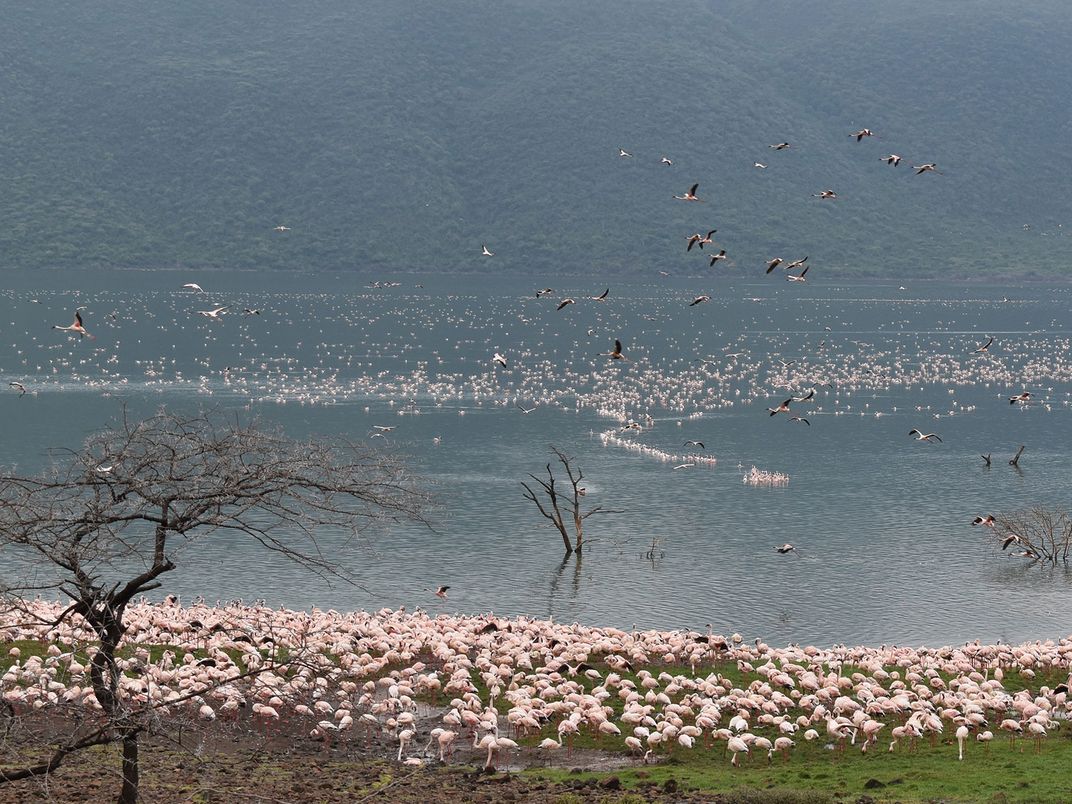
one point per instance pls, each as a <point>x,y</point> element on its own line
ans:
<point>930,773</point>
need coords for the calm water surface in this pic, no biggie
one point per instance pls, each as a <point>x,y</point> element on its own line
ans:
<point>886,552</point>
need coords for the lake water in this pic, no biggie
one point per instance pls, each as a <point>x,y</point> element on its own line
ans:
<point>881,520</point>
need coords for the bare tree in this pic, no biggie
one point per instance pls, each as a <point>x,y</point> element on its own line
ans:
<point>563,506</point>
<point>112,518</point>
<point>1039,534</point>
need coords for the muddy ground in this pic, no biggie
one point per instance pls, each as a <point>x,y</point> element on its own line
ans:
<point>228,763</point>
<point>253,774</point>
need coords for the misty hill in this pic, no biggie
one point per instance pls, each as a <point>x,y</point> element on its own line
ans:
<point>400,136</point>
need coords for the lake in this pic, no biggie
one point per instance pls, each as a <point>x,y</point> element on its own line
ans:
<point>881,520</point>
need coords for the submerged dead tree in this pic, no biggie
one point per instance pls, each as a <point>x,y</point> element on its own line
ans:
<point>560,503</point>
<point>109,521</point>
<point>1038,534</point>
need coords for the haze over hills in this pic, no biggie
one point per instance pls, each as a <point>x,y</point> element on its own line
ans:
<point>401,136</point>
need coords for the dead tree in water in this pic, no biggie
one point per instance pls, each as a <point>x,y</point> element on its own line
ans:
<point>109,520</point>
<point>563,507</point>
<point>1038,534</point>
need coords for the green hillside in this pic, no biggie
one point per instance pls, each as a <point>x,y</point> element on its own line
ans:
<point>400,136</point>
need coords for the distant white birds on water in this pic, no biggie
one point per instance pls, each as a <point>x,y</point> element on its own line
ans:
<point>196,288</point>
<point>280,228</point>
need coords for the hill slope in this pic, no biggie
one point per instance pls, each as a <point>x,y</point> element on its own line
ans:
<point>400,137</point>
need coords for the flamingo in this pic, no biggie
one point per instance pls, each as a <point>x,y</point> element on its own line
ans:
<point>700,240</point>
<point>617,353</point>
<point>782,408</point>
<point>690,194</point>
<point>925,436</point>
<point>962,735</point>
<point>738,746</point>
<point>404,737</point>
<point>75,326</point>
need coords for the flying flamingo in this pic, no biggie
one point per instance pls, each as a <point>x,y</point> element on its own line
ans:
<point>76,326</point>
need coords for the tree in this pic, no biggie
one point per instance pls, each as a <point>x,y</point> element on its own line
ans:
<point>1039,534</point>
<point>138,491</point>
<point>558,507</point>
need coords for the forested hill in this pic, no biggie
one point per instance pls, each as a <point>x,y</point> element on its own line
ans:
<point>396,135</point>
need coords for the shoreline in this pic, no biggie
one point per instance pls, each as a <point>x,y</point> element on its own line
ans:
<point>409,689</point>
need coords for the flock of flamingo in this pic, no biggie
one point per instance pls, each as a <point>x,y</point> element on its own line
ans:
<point>430,686</point>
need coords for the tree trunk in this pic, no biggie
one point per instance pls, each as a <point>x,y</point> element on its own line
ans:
<point>129,793</point>
<point>565,539</point>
